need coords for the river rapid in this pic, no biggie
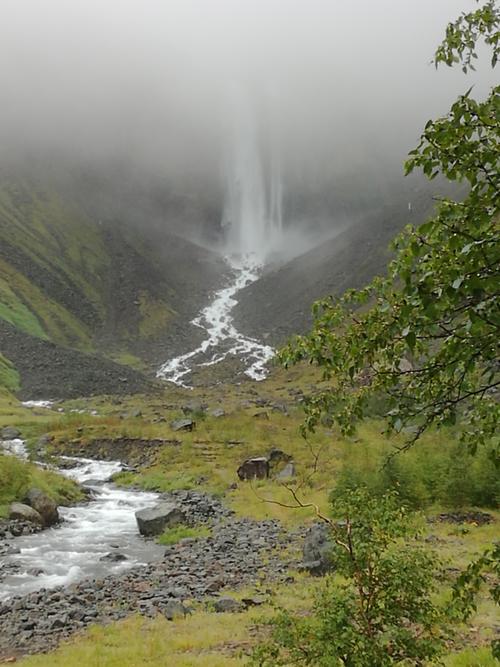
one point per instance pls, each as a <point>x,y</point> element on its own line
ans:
<point>91,535</point>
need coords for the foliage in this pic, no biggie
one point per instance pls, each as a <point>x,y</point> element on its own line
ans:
<point>16,478</point>
<point>440,471</point>
<point>382,611</point>
<point>426,336</point>
<point>468,584</point>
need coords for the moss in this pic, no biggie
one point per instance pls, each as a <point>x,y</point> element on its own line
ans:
<point>173,535</point>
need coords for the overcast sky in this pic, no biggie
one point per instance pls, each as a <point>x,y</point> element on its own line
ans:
<point>151,80</point>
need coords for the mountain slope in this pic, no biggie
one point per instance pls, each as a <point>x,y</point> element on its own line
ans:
<point>73,284</point>
<point>279,304</point>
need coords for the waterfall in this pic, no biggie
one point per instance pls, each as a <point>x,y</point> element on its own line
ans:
<point>253,208</point>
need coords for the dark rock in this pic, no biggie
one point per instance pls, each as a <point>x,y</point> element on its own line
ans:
<point>255,601</point>
<point>227,605</point>
<point>24,513</point>
<point>9,433</point>
<point>44,505</point>
<point>277,460</point>
<point>114,557</point>
<point>261,415</point>
<point>316,552</point>
<point>256,468</point>
<point>182,425</point>
<point>154,521</point>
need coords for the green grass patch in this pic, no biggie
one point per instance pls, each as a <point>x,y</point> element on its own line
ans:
<point>9,377</point>
<point>173,535</point>
<point>17,477</point>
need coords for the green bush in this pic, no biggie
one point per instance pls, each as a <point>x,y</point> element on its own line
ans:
<point>379,609</point>
<point>437,471</point>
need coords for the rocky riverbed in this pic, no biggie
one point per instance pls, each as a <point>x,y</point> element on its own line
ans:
<point>239,552</point>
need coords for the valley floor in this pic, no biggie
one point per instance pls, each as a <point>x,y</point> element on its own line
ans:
<point>251,548</point>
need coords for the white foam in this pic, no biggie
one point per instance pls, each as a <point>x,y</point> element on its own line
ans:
<point>223,339</point>
<point>38,404</point>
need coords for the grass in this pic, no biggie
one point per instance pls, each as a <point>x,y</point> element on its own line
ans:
<point>207,459</point>
<point>9,377</point>
<point>171,536</point>
<point>17,477</point>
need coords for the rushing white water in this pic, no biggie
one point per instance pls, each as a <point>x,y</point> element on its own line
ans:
<point>73,551</point>
<point>38,404</point>
<point>223,339</point>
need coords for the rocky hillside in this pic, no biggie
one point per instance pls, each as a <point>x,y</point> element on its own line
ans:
<point>279,304</point>
<point>87,303</point>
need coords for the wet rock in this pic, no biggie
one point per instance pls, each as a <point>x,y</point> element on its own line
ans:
<point>114,557</point>
<point>182,425</point>
<point>316,552</point>
<point>154,521</point>
<point>255,468</point>
<point>227,605</point>
<point>44,505</point>
<point>21,512</point>
<point>9,433</point>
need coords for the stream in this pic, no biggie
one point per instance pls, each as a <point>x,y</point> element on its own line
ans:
<point>78,548</point>
<point>222,337</point>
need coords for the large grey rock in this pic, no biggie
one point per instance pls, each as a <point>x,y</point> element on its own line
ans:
<point>317,550</point>
<point>278,459</point>
<point>9,433</point>
<point>153,521</point>
<point>288,472</point>
<point>228,605</point>
<point>21,512</point>
<point>44,505</point>
<point>183,425</point>
<point>256,468</point>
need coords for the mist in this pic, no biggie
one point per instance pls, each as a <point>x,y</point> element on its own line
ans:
<point>339,90</point>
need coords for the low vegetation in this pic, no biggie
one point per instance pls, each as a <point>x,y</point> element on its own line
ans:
<point>17,477</point>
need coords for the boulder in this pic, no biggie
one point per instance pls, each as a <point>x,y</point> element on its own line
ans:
<point>217,413</point>
<point>317,550</point>
<point>278,459</point>
<point>288,472</point>
<point>183,425</point>
<point>153,521</point>
<point>227,605</point>
<point>9,433</point>
<point>114,557</point>
<point>21,512</point>
<point>44,505</point>
<point>256,468</point>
